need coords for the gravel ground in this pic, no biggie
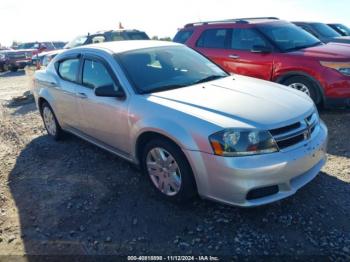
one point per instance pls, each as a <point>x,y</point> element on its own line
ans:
<point>71,197</point>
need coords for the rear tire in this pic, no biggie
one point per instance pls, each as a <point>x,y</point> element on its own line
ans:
<point>52,126</point>
<point>168,170</point>
<point>304,85</point>
<point>14,69</point>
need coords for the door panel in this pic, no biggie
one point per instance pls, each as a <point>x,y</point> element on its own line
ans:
<point>236,55</point>
<point>103,118</point>
<point>66,107</point>
<point>250,64</point>
<point>243,60</point>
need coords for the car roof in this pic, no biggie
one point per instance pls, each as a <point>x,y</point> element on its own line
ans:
<point>307,23</point>
<point>128,45</point>
<point>118,30</point>
<point>249,20</point>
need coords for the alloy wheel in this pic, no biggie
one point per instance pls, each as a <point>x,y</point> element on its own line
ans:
<point>301,87</point>
<point>49,120</point>
<point>163,171</point>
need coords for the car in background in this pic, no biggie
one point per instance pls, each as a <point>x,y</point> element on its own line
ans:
<point>22,54</point>
<point>41,46</point>
<point>275,50</point>
<point>341,29</point>
<point>98,37</point>
<point>44,58</point>
<point>107,36</point>
<point>323,32</point>
<point>2,61</point>
<point>14,59</point>
<point>192,127</point>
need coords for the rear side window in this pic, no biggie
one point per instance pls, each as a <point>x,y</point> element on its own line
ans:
<point>119,36</point>
<point>183,36</point>
<point>246,39</point>
<point>137,36</point>
<point>68,69</point>
<point>95,74</point>
<point>213,38</point>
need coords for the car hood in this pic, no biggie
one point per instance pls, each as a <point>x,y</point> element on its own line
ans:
<point>329,51</point>
<point>239,100</point>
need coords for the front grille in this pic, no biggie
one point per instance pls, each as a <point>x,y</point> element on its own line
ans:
<point>295,133</point>
<point>17,55</point>
<point>284,129</point>
<point>290,142</point>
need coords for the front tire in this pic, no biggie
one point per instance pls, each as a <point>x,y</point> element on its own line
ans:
<point>168,170</point>
<point>14,69</point>
<point>304,85</point>
<point>51,124</point>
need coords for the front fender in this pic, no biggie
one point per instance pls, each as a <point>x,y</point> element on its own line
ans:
<point>185,137</point>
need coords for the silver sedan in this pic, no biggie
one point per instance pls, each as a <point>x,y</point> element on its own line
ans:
<point>192,127</point>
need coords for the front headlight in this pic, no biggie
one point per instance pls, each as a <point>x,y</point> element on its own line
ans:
<point>341,67</point>
<point>2,56</point>
<point>242,142</point>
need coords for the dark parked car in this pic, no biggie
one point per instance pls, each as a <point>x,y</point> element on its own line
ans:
<point>107,36</point>
<point>2,61</point>
<point>14,59</point>
<point>99,37</point>
<point>341,29</point>
<point>275,50</point>
<point>323,32</point>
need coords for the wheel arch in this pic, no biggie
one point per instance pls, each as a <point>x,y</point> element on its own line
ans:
<point>320,92</point>
<point>147,136</point>
<point>41,101</point>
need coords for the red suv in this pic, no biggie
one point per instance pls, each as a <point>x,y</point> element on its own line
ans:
<point>275,50</point>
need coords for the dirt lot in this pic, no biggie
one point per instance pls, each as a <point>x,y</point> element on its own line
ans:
<point>71,197</point>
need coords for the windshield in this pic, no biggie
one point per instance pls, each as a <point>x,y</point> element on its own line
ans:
<point>325,30</point>
<point>78,41</point>
<point>289,37</point>
<point>26,45</point>
<point>163,68</point>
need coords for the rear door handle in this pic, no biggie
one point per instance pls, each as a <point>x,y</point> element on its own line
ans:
<point>81,95</point>
<point>234,56</point>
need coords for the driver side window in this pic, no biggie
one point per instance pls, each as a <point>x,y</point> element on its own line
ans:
<point>246,39</point>
<point>95,74</point>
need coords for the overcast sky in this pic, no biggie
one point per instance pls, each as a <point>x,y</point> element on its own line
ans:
<point>31,20</point>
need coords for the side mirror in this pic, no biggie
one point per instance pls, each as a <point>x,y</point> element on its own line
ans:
<point>108,91</point>
<point>261,49</point>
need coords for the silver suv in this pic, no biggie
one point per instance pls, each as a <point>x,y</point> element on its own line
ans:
<point>192,127</point>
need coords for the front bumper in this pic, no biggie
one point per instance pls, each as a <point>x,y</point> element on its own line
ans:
<point>337,89</point>
<point>230,179</point>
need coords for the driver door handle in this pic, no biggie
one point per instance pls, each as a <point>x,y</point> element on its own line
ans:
<point>81,95</point>
<point>233,56</point>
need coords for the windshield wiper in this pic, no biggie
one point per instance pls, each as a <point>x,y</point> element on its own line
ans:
<point>162,88</point>
<point>169,87</point>
<point>302,47</point>
<point>208,78</point>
